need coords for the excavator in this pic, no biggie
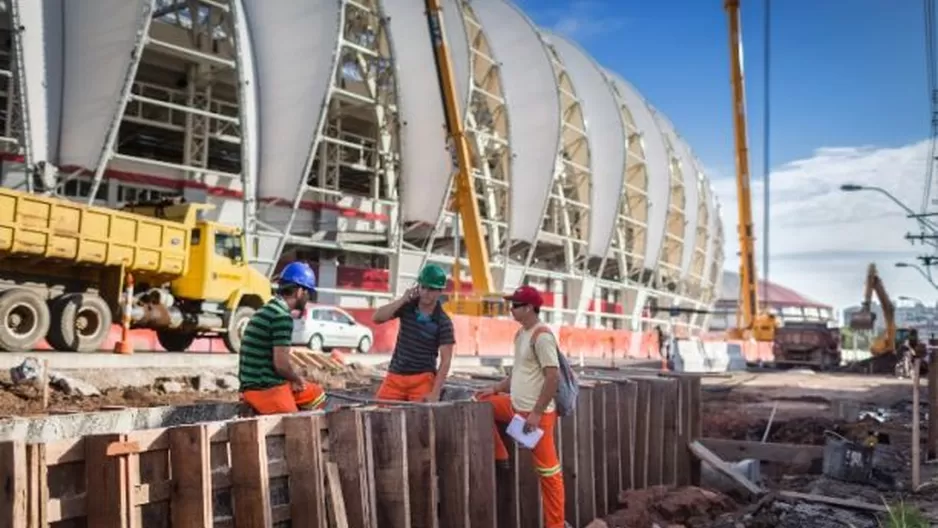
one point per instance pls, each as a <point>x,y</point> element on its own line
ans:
<point>884,346</point>
<point>751,323</point>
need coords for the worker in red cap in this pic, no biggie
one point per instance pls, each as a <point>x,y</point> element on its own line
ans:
<point>529,392</point>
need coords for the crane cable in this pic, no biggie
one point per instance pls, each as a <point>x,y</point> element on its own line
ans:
<point>932,80</point>
<point>765,154</point>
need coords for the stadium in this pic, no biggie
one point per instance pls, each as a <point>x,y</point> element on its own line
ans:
<point>320,128</point>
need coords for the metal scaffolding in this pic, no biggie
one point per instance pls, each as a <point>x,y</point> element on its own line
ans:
<point>180,131</point>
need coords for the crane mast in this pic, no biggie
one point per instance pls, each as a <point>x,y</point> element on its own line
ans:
<point>483,302</point>
<point>750,323</point>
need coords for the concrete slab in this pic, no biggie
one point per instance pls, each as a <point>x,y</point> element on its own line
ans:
<point>105,360</point>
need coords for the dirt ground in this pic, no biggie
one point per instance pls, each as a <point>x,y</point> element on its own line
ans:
<point>806,405</point>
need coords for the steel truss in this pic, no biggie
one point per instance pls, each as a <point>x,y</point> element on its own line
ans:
<point>12,123</point>
<point>697,280</point>
<point>672,250</point>
<point>356,160</point>
<point>486,122</point>
<point>180,112</point>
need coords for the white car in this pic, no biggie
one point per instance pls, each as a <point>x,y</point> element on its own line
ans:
<point>322,328</point>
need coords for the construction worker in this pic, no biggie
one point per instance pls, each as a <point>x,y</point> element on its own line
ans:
<point>530,393</point>
<point>268,382</point>
<point>425,333</point>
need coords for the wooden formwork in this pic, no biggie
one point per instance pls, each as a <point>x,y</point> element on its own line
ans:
<point>409,467</point>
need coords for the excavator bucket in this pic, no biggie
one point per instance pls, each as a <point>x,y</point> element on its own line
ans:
<point>862,321</point>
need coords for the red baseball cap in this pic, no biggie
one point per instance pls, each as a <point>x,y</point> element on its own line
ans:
<point>526,295</point>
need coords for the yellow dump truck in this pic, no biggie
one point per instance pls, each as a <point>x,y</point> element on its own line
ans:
<point>63,270</point>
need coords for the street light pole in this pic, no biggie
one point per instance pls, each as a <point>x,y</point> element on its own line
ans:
<point>918,269</point>
<point>921,219</point>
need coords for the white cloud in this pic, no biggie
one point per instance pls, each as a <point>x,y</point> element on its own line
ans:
<point>822,238</point>
<point>582,19</point>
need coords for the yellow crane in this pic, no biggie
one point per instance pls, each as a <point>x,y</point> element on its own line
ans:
<point>483,301</point>
<point>750,322</point>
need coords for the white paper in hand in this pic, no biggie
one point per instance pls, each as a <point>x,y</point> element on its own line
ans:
<point>516,431</point>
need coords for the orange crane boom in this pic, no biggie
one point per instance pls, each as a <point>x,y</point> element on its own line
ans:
<point>483,302</point>
<point>750,323</point>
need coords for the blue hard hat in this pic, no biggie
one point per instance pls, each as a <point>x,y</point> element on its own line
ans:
<point>300,274</point>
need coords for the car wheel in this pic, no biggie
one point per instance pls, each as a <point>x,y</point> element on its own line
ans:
<point>364,345</point>
<point>315,343</point>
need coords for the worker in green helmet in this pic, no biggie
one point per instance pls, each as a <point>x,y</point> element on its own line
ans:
<point>425,336</point>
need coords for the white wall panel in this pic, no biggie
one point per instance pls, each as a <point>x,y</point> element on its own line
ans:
<point>454,25</point>
<point>712,226</point>
<point>294,50</point>
<point>656,166</point>
<point>99,56</point>
<point>426,164</point>
<point>689,171</point>
<point>533,101</point>
<point>606,133</point>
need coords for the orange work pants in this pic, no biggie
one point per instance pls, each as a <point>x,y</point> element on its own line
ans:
<point>546,462</point>
<point>282,399</point>
<point>406,387</point>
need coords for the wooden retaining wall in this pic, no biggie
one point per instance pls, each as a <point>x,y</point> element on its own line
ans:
<point>413,467</point>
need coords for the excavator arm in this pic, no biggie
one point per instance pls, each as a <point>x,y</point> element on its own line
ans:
<point>865,319</point>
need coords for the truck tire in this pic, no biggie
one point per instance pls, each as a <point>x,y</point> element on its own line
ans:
<point>82,323</point>
<point>24,320</point>
<point>174,340</point>
<point>236,323</point>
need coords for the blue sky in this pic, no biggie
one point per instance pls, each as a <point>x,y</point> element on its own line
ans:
<point>840,76</point>
<point>849,104</point>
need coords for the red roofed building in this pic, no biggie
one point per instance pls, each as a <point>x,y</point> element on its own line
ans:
<point>785,302</point>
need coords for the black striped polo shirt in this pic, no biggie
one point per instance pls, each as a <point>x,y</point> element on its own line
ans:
<point>419,339</point>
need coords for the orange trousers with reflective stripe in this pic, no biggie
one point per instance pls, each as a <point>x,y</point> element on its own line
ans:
<point>406,387</point>
<point>281,399</point>
<point>546,462</point>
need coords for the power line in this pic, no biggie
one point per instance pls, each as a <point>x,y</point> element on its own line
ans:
<point>932,86</point>
<point>767,50</point>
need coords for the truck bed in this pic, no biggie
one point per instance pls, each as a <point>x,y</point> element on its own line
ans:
<point>36,228</point>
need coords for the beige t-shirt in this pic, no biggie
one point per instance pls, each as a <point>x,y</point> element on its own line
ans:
<point>527,376</point>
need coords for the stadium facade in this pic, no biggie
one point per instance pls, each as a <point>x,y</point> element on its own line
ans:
<point>319,126</point>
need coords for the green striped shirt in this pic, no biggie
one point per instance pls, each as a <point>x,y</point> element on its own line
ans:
<point>269,327</point>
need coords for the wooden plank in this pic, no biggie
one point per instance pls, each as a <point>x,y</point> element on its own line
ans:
<point>389,451</point>
<point>586,489</point>
<point>655,447</point>
<point>642,415</point>
<point>613,447</point>
<point>599,448</point>
<point>833,501</point>
<point>109,505</point>
<point>528,500</point>
<point>13,474</point>
<point>718,464</point>
<point>735,450</point>
<point>191,473</point>
<point>421,467</point>
<point>669,401</point>
<point>303,451</point>
<point>683,455</point>
<point>452,451</point>
<point>250,480</point>
<point>38,485</point>
<point>628,402</point>
<point>337,500</point>
<point>483,512</point>
<point>507,485</point>
<point>570,464</point>
<point>348,448</point>
<point>696,426</point>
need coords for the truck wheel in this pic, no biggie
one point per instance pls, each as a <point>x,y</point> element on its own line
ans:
<point>236,324</point>
<point>82,323</point>
<point>175,341</point>
<point>24,320</point>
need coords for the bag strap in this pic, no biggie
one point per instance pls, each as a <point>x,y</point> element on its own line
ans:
<point>538,330</point>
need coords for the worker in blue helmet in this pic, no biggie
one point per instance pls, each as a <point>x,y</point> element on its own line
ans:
<point>268,382</point>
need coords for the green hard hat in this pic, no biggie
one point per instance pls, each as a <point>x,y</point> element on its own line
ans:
<point>432,276</point>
